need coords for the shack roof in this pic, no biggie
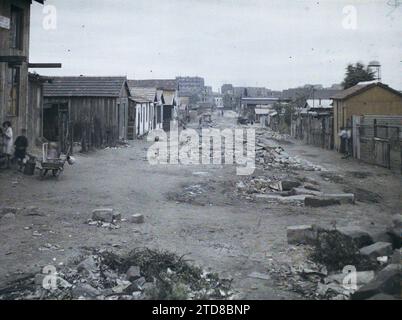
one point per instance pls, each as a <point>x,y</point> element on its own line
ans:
<point>360,88</point>
<point>164,84</point>
<point>84,87</point>
<point>149,94</point>
<point>259,100</point>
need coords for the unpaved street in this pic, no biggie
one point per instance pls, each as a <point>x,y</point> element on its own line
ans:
<point>192,211</point>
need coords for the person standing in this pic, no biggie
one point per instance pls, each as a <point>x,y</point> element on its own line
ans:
<point>8,141</point>
<point>21,145</point>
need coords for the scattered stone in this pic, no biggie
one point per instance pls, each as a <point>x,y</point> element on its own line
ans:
<point>378,249</point>
<point>317,202</point>
<point>32,211</point>
<point>122,285</point>
<point>6,210</point>
<point>133,273</point>
<point>359,236</point>
<point>303,234</point>
<point>362,277</point>
<point>304,191</point>
<point>85,290</point>
<point>116,216</point>
<point>88,266</point>
<point>8,217</point>
<point>387,281</point>
<point>39,279</point>
<point>140,282</point>
<point>396,257</point>
<point>287,185</point>
<point>310,186</point>
<point>291,200</point>
<point>137,218</point>
<point>103,215</point>
<point>329,200</point>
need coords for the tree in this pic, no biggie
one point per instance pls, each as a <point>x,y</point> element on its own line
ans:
<point>357,73</point>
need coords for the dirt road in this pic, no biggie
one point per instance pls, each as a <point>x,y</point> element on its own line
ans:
<point>192,211</point>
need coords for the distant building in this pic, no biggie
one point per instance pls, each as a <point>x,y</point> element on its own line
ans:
<point>188,86</point>
<point>227,89</point>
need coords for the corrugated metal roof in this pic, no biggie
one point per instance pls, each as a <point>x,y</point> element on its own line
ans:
<point>84,87</point>
<point>166,84</point>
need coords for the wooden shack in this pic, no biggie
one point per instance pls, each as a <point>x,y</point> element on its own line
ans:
<point>92,111</point>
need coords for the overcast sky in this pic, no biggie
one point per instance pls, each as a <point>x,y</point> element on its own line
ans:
<point>277,44</point>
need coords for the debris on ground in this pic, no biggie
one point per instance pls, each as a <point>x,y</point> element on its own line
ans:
<point>140,275</point>
<point>338,264</point>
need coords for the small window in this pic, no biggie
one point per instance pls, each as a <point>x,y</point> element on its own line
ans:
<point>16,28</point>
<point>14,87</point>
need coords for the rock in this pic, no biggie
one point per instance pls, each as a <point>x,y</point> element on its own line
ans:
<point>121,287</point>
<point>317,202</point>
<point>6,210</point>
<point>85,290</point>
<point>140,282</point>
<point>116,216</point>
<point>304,191</point>
<point>387,281</point>
<point>8,217</point>
<point>39,279</point>
<point>292,200</point>
<point>395,234</point>
<point>303,234</point>
<point>382,296</point>
<point>359,236</point>
<point>31,210</point>
<point>381,236</point>
<point>362,277</point>
<point>310,186</point>
<point>103,215</point>
<point>378,249</point>
<point>88,266</point>
<point>287,185</point>
<point>330,199</point>
<point>396,257</point>
<point>137,218</point>
<point>133,273</point>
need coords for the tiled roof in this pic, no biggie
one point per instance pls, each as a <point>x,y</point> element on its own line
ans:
<point>84,87</point>
<point>166,84</point>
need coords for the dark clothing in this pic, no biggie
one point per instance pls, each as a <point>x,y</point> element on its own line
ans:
<point>21,145</point>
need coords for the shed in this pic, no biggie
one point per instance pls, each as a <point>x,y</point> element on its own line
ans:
<point>90,110</point>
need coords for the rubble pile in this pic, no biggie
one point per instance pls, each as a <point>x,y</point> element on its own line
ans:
<point>281,189</point>
<point>342,263</point>
<point>142,274</point>
<point>270,155</point>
